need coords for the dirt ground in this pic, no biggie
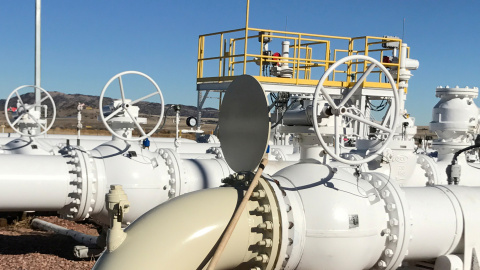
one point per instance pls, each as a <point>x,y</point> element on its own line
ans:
<point>24,248</point>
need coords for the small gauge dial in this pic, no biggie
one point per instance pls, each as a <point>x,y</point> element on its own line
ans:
<point>191,121</point>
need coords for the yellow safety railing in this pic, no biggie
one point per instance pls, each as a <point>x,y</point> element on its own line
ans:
<point>310,55</point>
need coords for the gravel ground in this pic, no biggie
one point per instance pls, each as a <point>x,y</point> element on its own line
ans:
<point>23,248</point>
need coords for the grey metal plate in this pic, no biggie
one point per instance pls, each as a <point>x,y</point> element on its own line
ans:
<point>244,124</point>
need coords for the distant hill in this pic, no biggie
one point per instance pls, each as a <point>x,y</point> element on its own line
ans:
<point>67,105</point>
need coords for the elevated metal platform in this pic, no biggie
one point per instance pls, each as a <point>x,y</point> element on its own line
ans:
<point>301,61</point>
<point>298,89</point>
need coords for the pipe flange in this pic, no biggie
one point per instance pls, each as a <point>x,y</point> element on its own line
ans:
<point>92,186</point>
<point>174,171</point>
<point>267,232</point>
<point>217,151</point>
<point>398,225</point>
<point>290,228</point>
<point>71,210</point>
<point>84,184</point>
<point>429,166</point>
<point>461,92</point>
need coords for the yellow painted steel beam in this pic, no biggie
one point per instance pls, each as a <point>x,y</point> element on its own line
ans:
<point>216,79</point>
<point>221,56</point>
<point>296,33</point>
<point>223,32</point>
<point>246,39</point>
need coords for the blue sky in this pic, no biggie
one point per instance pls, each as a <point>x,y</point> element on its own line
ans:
<point>84,43</point>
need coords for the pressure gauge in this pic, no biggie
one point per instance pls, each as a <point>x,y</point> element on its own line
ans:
<point>191,121</point>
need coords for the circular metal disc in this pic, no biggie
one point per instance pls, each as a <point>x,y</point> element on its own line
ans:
<point>244,124</point>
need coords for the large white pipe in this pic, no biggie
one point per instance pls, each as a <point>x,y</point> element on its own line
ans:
<point>204,173</point>
<point>39,183</point>
<point>403,224</point>
<point>75,182</point>
<point>331,212</point>
<point>437,222</point>
<point>5,136</point>
<point>50,146</point>
<point>329,221</point>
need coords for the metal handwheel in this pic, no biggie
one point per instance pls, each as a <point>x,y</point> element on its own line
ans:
<point>341,110</point>
<point>25,110</point>
<point>123,108</point>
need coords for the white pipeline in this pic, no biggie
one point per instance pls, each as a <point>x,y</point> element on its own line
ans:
<point>75,182</point>
<point>38,183</point>
<point>328,219</point>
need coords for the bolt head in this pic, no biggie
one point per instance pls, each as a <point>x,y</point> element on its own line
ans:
<point>393,238</point>
<point>388,252</point>
<point>382,264</point>
<point>391,207</point>
<point>393,222</point>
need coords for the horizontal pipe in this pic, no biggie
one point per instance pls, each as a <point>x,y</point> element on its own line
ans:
<point>14,144</point>
<point>77,236</point>
<point>87,137</point>
<point>204,173</point>
<point>40,183</point>
<point>437,222</point>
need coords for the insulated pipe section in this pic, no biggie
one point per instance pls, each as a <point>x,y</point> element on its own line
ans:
<point>38,183</point>
<point>191,226</point>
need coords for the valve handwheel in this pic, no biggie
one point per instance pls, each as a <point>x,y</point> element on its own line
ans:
<point>341,110</point>
<point>27,109</point>
<point>123,108</point>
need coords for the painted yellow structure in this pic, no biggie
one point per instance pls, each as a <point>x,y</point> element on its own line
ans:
<point>310,52</point>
